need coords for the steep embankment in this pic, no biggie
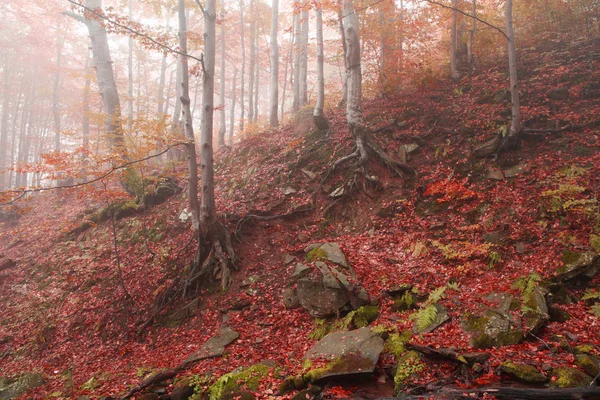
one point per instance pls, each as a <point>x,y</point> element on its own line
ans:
<point>482,247</point>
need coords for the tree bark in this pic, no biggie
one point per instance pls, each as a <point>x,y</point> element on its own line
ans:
<point>243,73</point>
<point>130,74</point>
<point>251,71</point>
<point>55,106</point>
<point>453,40</point>
<point>233,99</point>
<point>471,36</point>
<point>187,118</point>
<point>222,127</point>
<point>106,80</point>
<point>4,128</point>
<point>304,60</point>
<point>515,126</point>
<point>274,87</point>
<point>257,80</point>
<point>297,46</point>
<point>344,99</point>
<point>85,120</point>
<point>285,76</point>
<point>318,114</point>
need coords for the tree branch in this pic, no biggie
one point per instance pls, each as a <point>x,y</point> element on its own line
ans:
<point>74,16</point>
<point>201,7</point>
<point>104,175</point>
<point>104,17</point>
<point>468,15</point>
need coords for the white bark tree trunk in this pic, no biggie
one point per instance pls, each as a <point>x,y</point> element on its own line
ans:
<point>304,60</point>
<point>515,126</point>
<point>472,35</point>
<point>243,73</point>
<point>274,86</point>
<point>296,74</point>
<point>187,119</point>
<point>86,108</point>
<point>55,92</point>
<point>251,71</point>
<point>453,39</point>
<point>344,99</point>
<point>130,74</point>
<point>233,99</point>
<point>318,114</point>
<point>222,127</point>
<point>285,75</point>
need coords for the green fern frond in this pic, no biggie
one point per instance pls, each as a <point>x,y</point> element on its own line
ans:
<point>595,310</point>
<point>591,295</point>
<point>436,295</point>
<point>453,286</point>
<point>424,317</point>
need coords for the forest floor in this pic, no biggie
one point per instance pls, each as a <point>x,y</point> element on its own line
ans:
<point>472,226</point>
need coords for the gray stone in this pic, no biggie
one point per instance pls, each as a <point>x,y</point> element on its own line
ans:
<point>319,300</point>
<point>215,346</point>
<point>578,266</point>
<point>411,148</point>
<point>311,175</point>
<point>492,329</point>
<point>523,372</point>
<point>301,271</point>
<point>288,259</point>
<point>515,171</point>
<point>11,388</point>
<point>339,192</point>
<point>496,175</point>
<point>496,237</point>
<point>250,280</point>
<point>288,190</point>
<point>290,299</point>
<point>536,316</point>
<point>352,353</point>
<point>440,319</point>
<point>331,251</point>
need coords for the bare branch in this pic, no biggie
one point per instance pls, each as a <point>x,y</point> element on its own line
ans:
<point>104,17</point>
<point>74,16</point>
<point>201,7</point>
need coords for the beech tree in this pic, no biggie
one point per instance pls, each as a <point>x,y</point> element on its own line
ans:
<point>274,87</point>
<point>453,42</point>
<point>515,126</point>
<point>222,127</point>
<point>318,114</point>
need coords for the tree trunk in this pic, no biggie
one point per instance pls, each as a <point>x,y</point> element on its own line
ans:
<point>187,119</point>
<point>515,126</point>
<point>304,60</point>
<point>222,127</point>
<point>243,65</point>
<point>274,88</point>
<point>4,128</point>
<point>344,99</point>
<point>86,108</point>
<point>256,87</point>
<point>297,46</point>
<point>55,106</point>
<point>130,75</point>
<point>233,99</point>
<point>285,76</point>
<point>161,88</point>
<point>106,80</point>
<point>453,39</point>
<point>318,114</point>
<point>471,36</point>
<point>251,71</point>
<point>168,93</point>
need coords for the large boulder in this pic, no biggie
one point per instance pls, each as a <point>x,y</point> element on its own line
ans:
<point>348,353</point>
<point>160,189</point>
<point>537,314</point>
<point>215,346</point>
<point>578,267</point>
<point>566,377</point>
<point>523,372</point>
<point>330,251</point>
<point>11,388</point>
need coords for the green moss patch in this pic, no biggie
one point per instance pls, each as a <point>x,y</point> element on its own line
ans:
<point>235,383</point>
<point>522,372</point>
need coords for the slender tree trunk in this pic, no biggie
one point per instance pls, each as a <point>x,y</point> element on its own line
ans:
<point>251,71</point>
<point>18,138</point>
<point>168,93</point>
<point>256,87</point>
<point>453,40</point>
<point>187,119</point>
<point>232,115</point>
<point>304,60</point>
<point>274,88</point>
<point>55,100</point>
<point>297,56</point>
<point>344,99</point>
<point>160,98</point>
<point>471,36</point>
<point>242,28</point>
<point>130,74</point>
<point>86,108</point>
<point>318,112</point>
<point>4,128</point>
<point>285,77</point>
<point>515,126</point>
<point>106,81</point>
<point>176,121</point>
<point>222,127</point>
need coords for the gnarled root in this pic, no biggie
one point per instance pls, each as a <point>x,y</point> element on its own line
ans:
<point>215,259</point>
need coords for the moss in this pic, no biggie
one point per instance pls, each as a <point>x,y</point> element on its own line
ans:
<point>523,372</point>
<point>395,344</point>
<point>565,377</point>
<point>406,302</point>
<point>479,326</point>
<point>339,366</point>
<point>234,382</point>
<point>595,243</point>
<point>364,316</point>
<point>408,365</point>
<point>584,348</point>
<point>588,363</point>
<point>133,182</point>
<point>291,383</point>
<point>317,254</point>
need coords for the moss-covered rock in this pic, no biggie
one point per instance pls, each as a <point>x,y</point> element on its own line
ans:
<point>588,363</point>
<point>409,365</point>
<point>234,383</point>
<point>523,372</point>
<point>11,388</point>
<point>536,310</point>
<point>565,377</point>
<point>492,329</point>
<point>578,266</point>
<point>396,343</point>
<point>363,316</point>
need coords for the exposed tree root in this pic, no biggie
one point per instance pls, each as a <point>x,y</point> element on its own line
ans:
<point>215,259</point>
<point>154,379</point>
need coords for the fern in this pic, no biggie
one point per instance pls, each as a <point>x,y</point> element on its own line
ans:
<point>453,286</point>
<point>424,317</point>
<point>526,284</point>
<point>591,295</point>
<point>436,295</point>
<point>595,310</point>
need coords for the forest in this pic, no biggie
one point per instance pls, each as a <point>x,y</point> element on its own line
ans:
<point>299,199</point>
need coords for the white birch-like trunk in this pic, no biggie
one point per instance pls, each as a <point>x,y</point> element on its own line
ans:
<point>472,35</point>
<point>274,87</point>
<point>304,60</point>
<point>515,126</point>
<point>344,99</point>
<point>453,40</point>
<point>243,73</point>
<point>251,71</point>
<point>86,108</point>
<point>188,127</point>
<point>130,75</point>
<point>285,76</point>
<point>318,112</point>
<point>55,92</point>
<point>222,127</point>
<point>233,99</point>
<point>296,74</point>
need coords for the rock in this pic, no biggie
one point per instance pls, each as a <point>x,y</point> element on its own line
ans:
<point>523,372</point>
<point>288,190</point>
<point>148,396</point>
<point>496,237</point>
<point>363,316</point>
<point>330,251</point>
<point>441,318</point>
<point>215,346</point>
<point>301,271</point>
<point>515,171</point>
<point>592,90</point>
<point>160,190</point>
<point>351,353</point>
<point>536,314</point>
<point>558,315</point>
<point>492,329</point>
<point>303,237</point>
<point>288,259</point>
<point>250,280</point>
<point>338,192</point>
<point>488,148</point>
<point>6,263</point>
<point>577,266</point>
<point>290,299</point>
<point>476,357</point>
<point>411,148</point>
<point>521,248</point>
<point>504,302</point>
<point>311,175</point>
<point>588,363</point>
<point>406,302</point>
<point>11,388</point>
<point>560,94</point>
<point>391,209</point>
<point>239,384</point>
<point>182,390</point>
<point>319,300</point>
<point>185,216</point>
<point>565,377</point>
<point>496,175</point>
